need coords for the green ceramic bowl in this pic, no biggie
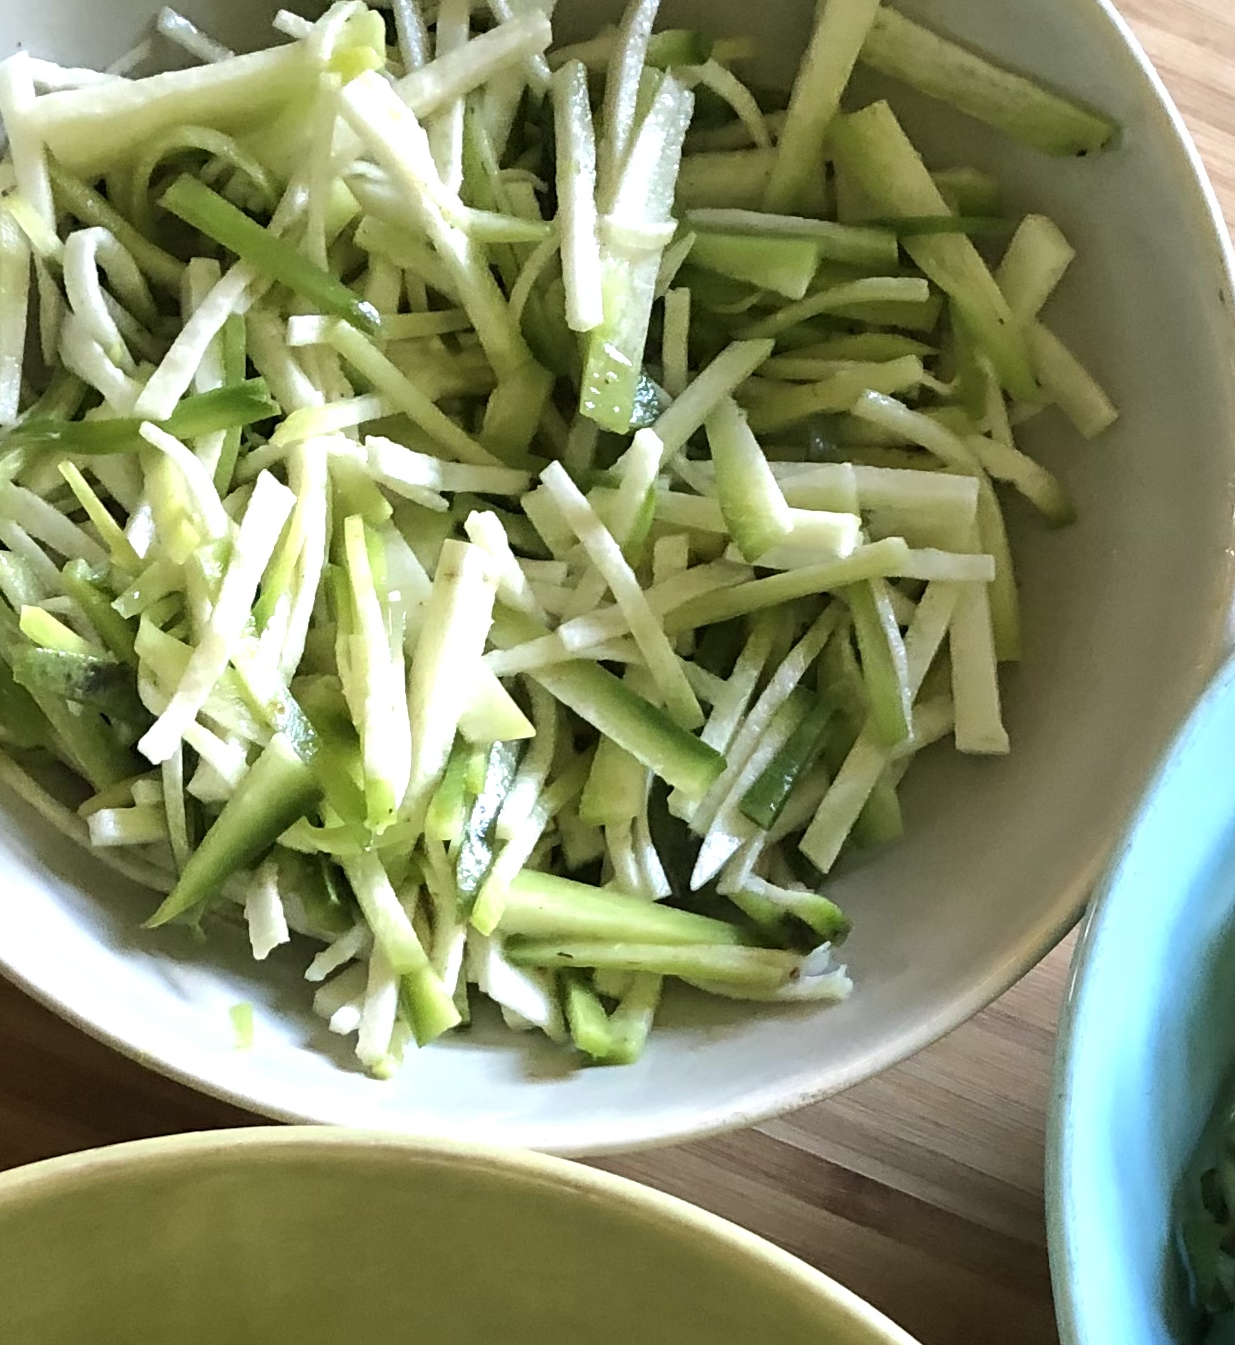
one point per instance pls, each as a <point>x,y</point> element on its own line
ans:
<point>313,1237</point>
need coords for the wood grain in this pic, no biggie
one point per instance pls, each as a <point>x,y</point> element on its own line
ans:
<point>921,1190</point>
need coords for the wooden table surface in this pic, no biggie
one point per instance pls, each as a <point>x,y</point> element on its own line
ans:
<point>921,1190</point>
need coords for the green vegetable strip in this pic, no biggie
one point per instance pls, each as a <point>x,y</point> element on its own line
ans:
<point>884,667</point>
<point>196,415</point>
<point>778,265</point>
<point>765,800</point>
<point>277,790</point>
<point>732,367</point>
<point>452,638</point>
<point>606,555</point>
<point>221,221</point>
<point>1021,107</point>
<point>15,285</point>
<point>114,632</point>
<point>876,150</point>
<point>838,299</point>
<point>644,196</point>
<point>751,501</point>
<point>622,80</point>
<point>1033,265</point>
<point>91,129</point>
<point>539,905</point>
<point>81,678</point>
<point>617,712</point>
<point>398,142</point>
<point>841,27</point>
<point>746,968</point>
<point>777,407</point>
<point>456,71</point>
<point>1069,384</point>
<point>93,210</point>
<point>882,559</point>
<point>576,193</point>
<point>855,245</point>
<point>402,393</point>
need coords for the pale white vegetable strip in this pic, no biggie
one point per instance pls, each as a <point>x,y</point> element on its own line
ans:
<point>730,829</point>
<point>671,263</point>
<point>413,401</point>
<point>171,379</point>
<point>46,523</point>
<point>1069,384</point>
<point>536,71</point>
<point>49,77</point>
<point>534,769</point>
<point>732,367</point>
<point>411,32</point>
<point>26,149</point>
<point>638,468</point>
<point>267,511</point>
<point>354,943</point>
<point>308,476</point>
<point>867,759</point>
<point>606,555</point>
<point>519,848</point>
<point>622,79</point>
<point>188,36</point>
<point>456,625</point>
<point>394,465</point>
<point>522,990</point>
<point>1032,266</point>
<point>579,633</point>
<point>295,26</point>
<point>212,517</point>
<point>485,529</point>
<point>83,355</point>
<point>446,128</point>
<point>385,732</point>
<point>43,569</point>
<point>143,824</point>
<point>576,194</point>
<point>840,29</point>
<point>537,264</point>
<point>791,671</point>
<point>126,64</point>
<point>263,911</point>
<point>725,84</point>
<point>271,353</point>
<point>89,130</point>
<point>675,353</point>
<point>85,252</point>
<point>378,1012</point>
<point>399,143</point>
<point>339,1001</point>
<point>174,808</point>
<point>384,913</point>
<point>655,880</point>
<point>458,68</point>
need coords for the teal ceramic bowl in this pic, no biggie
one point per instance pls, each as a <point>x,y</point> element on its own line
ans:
<point>1147,1045</point>
<point>315,1237</point>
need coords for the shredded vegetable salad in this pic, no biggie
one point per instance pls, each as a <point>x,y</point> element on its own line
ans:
<point>512,513</point>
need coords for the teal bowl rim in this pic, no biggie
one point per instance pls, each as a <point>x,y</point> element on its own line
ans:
<point>34,1181</point>
<point>1104,910</point>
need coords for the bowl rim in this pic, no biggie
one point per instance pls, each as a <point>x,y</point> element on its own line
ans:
<point>1104,913</point>
<point>776,1099</point>
<point>51,1176</point>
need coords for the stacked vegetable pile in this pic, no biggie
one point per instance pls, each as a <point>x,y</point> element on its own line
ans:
<point>436,464</point>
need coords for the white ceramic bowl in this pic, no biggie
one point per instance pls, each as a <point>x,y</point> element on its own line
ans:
<point>1125,615</point>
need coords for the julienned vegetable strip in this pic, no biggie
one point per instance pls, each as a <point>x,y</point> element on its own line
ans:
<point>218,219</point>
<point>944,69</point>
<point>532,540</point>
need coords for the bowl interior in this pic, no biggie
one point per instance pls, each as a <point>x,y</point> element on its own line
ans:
<point>305,1237</point>
<point>1125,614</point>
<point>1145,1051</point>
